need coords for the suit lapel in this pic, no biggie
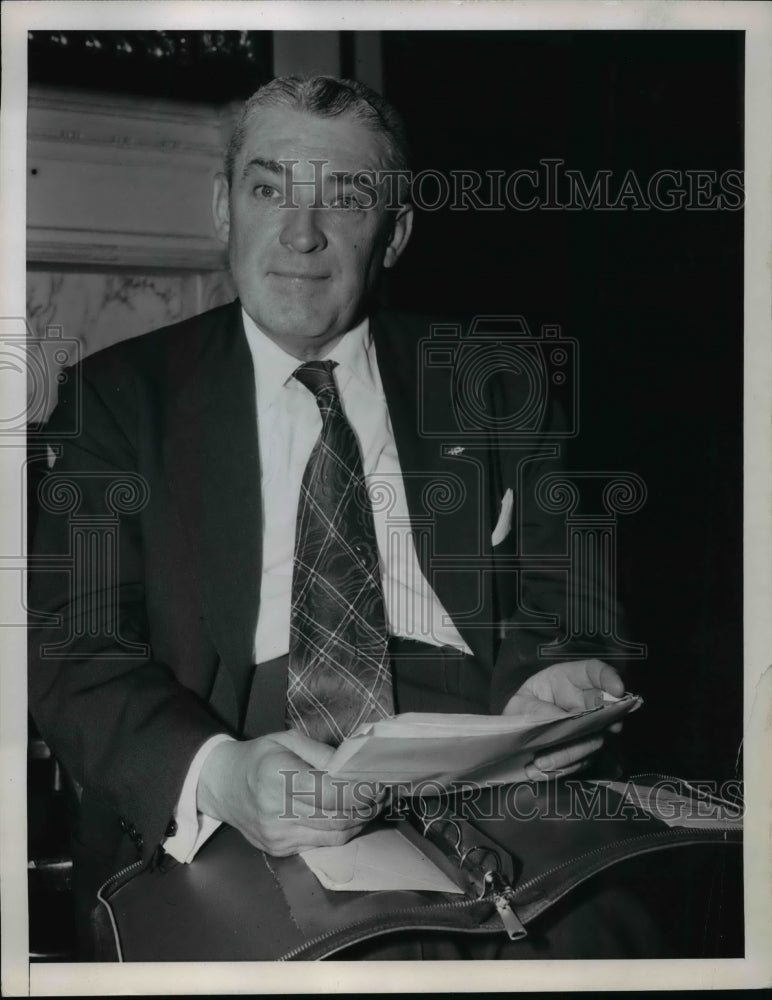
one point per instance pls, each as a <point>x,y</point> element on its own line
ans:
<point>211,455</point>
<point>447,483</point>
<point>212,462</point>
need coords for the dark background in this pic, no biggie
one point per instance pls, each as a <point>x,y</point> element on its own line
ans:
<point>653,297</point>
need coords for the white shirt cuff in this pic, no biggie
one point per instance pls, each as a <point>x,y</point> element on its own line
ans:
<point>194,828</point>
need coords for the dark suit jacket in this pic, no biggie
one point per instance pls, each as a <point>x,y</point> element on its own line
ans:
<point>176,408</point>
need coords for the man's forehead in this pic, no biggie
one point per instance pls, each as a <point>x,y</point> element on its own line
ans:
<point>275,135</point>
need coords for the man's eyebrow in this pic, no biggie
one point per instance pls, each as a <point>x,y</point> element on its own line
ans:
<point>272,166</point>
<point>339,177</point>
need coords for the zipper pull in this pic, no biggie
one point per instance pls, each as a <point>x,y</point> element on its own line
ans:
<point>510,919</point>
<point>502,894</point>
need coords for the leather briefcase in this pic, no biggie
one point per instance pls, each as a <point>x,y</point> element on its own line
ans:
<point>514,851</point>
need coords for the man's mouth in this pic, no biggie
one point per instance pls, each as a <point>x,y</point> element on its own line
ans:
<point>298,275</point>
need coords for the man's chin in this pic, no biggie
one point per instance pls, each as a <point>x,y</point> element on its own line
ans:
<point>295,330</point>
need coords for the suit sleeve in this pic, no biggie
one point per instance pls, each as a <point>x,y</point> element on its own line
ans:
<point>120,722</point>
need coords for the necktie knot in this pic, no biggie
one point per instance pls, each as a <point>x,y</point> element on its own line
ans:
<point>316,376</point>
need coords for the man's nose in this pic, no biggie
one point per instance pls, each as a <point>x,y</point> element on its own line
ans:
<point>302,230</point>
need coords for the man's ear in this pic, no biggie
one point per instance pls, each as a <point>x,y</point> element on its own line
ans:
<point>402,227</point>
<point>221,208</point>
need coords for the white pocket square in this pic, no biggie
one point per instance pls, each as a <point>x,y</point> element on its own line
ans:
<point>504,523</point>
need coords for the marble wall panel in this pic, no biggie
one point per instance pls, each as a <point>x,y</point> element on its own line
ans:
<point>86,312</point>
<point>214,288</point>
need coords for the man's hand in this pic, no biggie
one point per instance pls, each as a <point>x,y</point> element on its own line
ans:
<point>241,784</point>
<point>557,691</point>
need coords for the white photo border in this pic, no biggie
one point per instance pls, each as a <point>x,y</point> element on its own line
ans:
<point>19,978</point>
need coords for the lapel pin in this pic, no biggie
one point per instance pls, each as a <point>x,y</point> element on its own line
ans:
<point>457,450</point>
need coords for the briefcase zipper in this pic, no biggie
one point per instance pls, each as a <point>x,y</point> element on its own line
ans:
<point>497,891</point>
<point>118,877</point>
<point>503,896</point>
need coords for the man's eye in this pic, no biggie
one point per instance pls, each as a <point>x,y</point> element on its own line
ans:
<point>265,191</point>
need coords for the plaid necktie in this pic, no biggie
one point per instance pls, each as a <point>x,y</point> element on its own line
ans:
<point>339,669</point>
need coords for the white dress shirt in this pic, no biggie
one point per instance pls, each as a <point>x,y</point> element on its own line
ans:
<point>288,426</point>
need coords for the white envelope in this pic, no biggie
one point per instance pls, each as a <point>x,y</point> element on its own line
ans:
<point>383,859</point>
<point>416,748</point>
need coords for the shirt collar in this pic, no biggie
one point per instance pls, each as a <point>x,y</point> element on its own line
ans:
<point>354,352</point>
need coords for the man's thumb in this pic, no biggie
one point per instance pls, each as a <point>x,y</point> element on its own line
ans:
<point>311,751</point>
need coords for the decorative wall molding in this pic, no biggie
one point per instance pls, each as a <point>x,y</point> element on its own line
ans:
<point>123,180</point>
<point>72,116</point>
<point>118,250</point>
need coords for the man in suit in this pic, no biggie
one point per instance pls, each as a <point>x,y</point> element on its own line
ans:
<point>171,713</point>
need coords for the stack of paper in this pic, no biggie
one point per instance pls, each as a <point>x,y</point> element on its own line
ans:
<point>492,749</point>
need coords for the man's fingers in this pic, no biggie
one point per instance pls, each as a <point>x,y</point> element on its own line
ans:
<point>306,778</point>
<point>315,754</point>
<point>570,695</point>
<point>284,841</point>
<point>570,770</point>
<point>310,837</point>
<point>562,757</point>
<point>605,677</point>
<point>307,792</point>
<point>332,823</point>
<point>532,707</point>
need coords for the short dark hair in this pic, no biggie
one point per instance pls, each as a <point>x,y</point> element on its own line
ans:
<point>328,97</point>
